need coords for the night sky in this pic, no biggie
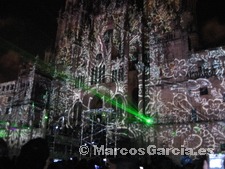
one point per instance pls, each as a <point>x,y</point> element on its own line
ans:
<point>29,27</point>
<point>29,23</point>
<point>211,23</point>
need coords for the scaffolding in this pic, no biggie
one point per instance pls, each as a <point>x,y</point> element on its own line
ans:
<point>99,128</point>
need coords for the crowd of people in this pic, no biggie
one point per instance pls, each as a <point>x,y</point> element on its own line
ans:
<point>35,154</point>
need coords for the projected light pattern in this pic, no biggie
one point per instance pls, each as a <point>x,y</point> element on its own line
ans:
<point>162,15</point>
<point>22,108</point>
<point>188,136</point>
<point>104,56</point>
<point>180,95</point>
<point>175,83</point>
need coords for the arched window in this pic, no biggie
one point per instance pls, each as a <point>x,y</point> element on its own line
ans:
<point>98,74</point>
<point>119,108</point>
<point>133,61</point>
<point>107,37</point>
<point>79,81</point>
<point>118,74</point>
<point>76,114</point>
<point>135,98</point>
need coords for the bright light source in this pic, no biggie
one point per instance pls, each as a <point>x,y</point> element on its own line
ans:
<point>148,121</point>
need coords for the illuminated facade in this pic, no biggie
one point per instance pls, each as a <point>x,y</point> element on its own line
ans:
<point>125,58</point>
<point>143,55</point>
<point>23,107</point>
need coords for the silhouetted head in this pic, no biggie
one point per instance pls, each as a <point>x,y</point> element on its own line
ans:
<point>123,163</point>
<point>5,162</point>
<point>3,148</point>
<point>34,154</point>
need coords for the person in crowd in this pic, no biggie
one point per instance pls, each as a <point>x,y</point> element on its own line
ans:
<point>5,162</point>
<point>188,166</point>
<point>57,165</point>
<point>201,163</point>
<point>162,162</point>
<point>33,155</point>
<point>187,162</point>
<point>82,164</point>
<point>123,163</point>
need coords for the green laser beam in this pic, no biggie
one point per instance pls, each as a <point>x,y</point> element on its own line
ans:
<point>49,69</point>
<point>128,109</point>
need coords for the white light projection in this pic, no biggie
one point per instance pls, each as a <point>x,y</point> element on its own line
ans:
<point>162,15</point>
<point>172,85</point>
<point>189,135</point>
<point>174,102</point>
<point>94,54</point>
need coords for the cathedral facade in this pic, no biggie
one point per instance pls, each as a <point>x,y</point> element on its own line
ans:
<point>116,64</point>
